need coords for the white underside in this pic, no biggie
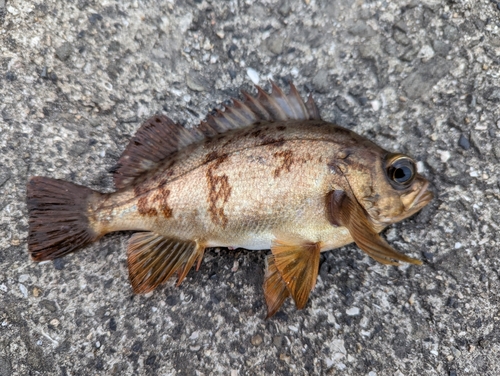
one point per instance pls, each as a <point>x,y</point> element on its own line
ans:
<point>261,241</point>
<point>253,242</point>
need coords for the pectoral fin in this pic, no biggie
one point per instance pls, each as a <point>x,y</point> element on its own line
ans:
<point>153,259</point>
<point>298,266</point>
<point>346,211</point>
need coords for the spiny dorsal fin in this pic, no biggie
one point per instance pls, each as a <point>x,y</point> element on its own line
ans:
<point>297,263</point>
<point>152,259</point>
<point>159,136</point>
<point>276,106</point>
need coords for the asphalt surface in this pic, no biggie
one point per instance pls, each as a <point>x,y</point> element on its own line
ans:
<point>421,77</point>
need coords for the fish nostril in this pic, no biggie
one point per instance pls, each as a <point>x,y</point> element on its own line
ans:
<point>343,154</point>
<point>367,204</point>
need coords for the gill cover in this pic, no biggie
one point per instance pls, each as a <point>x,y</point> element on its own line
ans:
<point>346,211</point>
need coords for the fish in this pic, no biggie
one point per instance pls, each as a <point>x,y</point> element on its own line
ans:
<point>263,173</point>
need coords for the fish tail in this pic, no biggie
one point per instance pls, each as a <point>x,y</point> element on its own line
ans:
<point>58,218</point>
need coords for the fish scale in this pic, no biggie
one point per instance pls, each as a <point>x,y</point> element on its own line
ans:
<point>265,173</point>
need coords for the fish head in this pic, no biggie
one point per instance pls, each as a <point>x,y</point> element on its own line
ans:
<point>387,185</point>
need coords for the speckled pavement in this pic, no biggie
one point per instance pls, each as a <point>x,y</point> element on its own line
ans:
<point>422,77</point>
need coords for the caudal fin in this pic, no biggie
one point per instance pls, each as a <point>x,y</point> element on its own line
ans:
<point>58,219</point>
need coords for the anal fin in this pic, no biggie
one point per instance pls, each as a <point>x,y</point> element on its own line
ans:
<point>152,259</point>
<point>297,264</point>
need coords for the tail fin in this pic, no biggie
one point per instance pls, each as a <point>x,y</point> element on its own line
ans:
<point>58,220</point>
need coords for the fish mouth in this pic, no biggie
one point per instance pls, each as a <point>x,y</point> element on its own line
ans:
<point>423,197</point>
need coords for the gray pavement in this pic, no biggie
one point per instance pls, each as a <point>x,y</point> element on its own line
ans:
<point>421,77</point>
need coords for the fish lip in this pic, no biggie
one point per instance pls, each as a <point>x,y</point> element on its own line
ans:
<point>423,197</point>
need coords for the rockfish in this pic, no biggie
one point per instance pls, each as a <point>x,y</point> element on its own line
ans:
<point>265,173</point>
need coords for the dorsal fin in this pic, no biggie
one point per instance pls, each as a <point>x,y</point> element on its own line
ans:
<point>276,106</point>
<point>156,139</point>
<point>159,136</point>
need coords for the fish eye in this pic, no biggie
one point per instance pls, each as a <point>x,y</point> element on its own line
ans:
<point>401,171</point>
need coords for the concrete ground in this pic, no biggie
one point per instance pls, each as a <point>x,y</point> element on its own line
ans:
<point>422,77</point>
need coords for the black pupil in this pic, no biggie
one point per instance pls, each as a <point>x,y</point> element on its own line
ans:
<point>402,174</point>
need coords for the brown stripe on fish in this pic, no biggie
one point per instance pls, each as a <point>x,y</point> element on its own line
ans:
<point>256,133</point>
<point>161,202</point>
<point>149,205</point>
<point>287,161</point>
<point>277,142</point>
<point>219,190</point>
<point>145,208</point>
